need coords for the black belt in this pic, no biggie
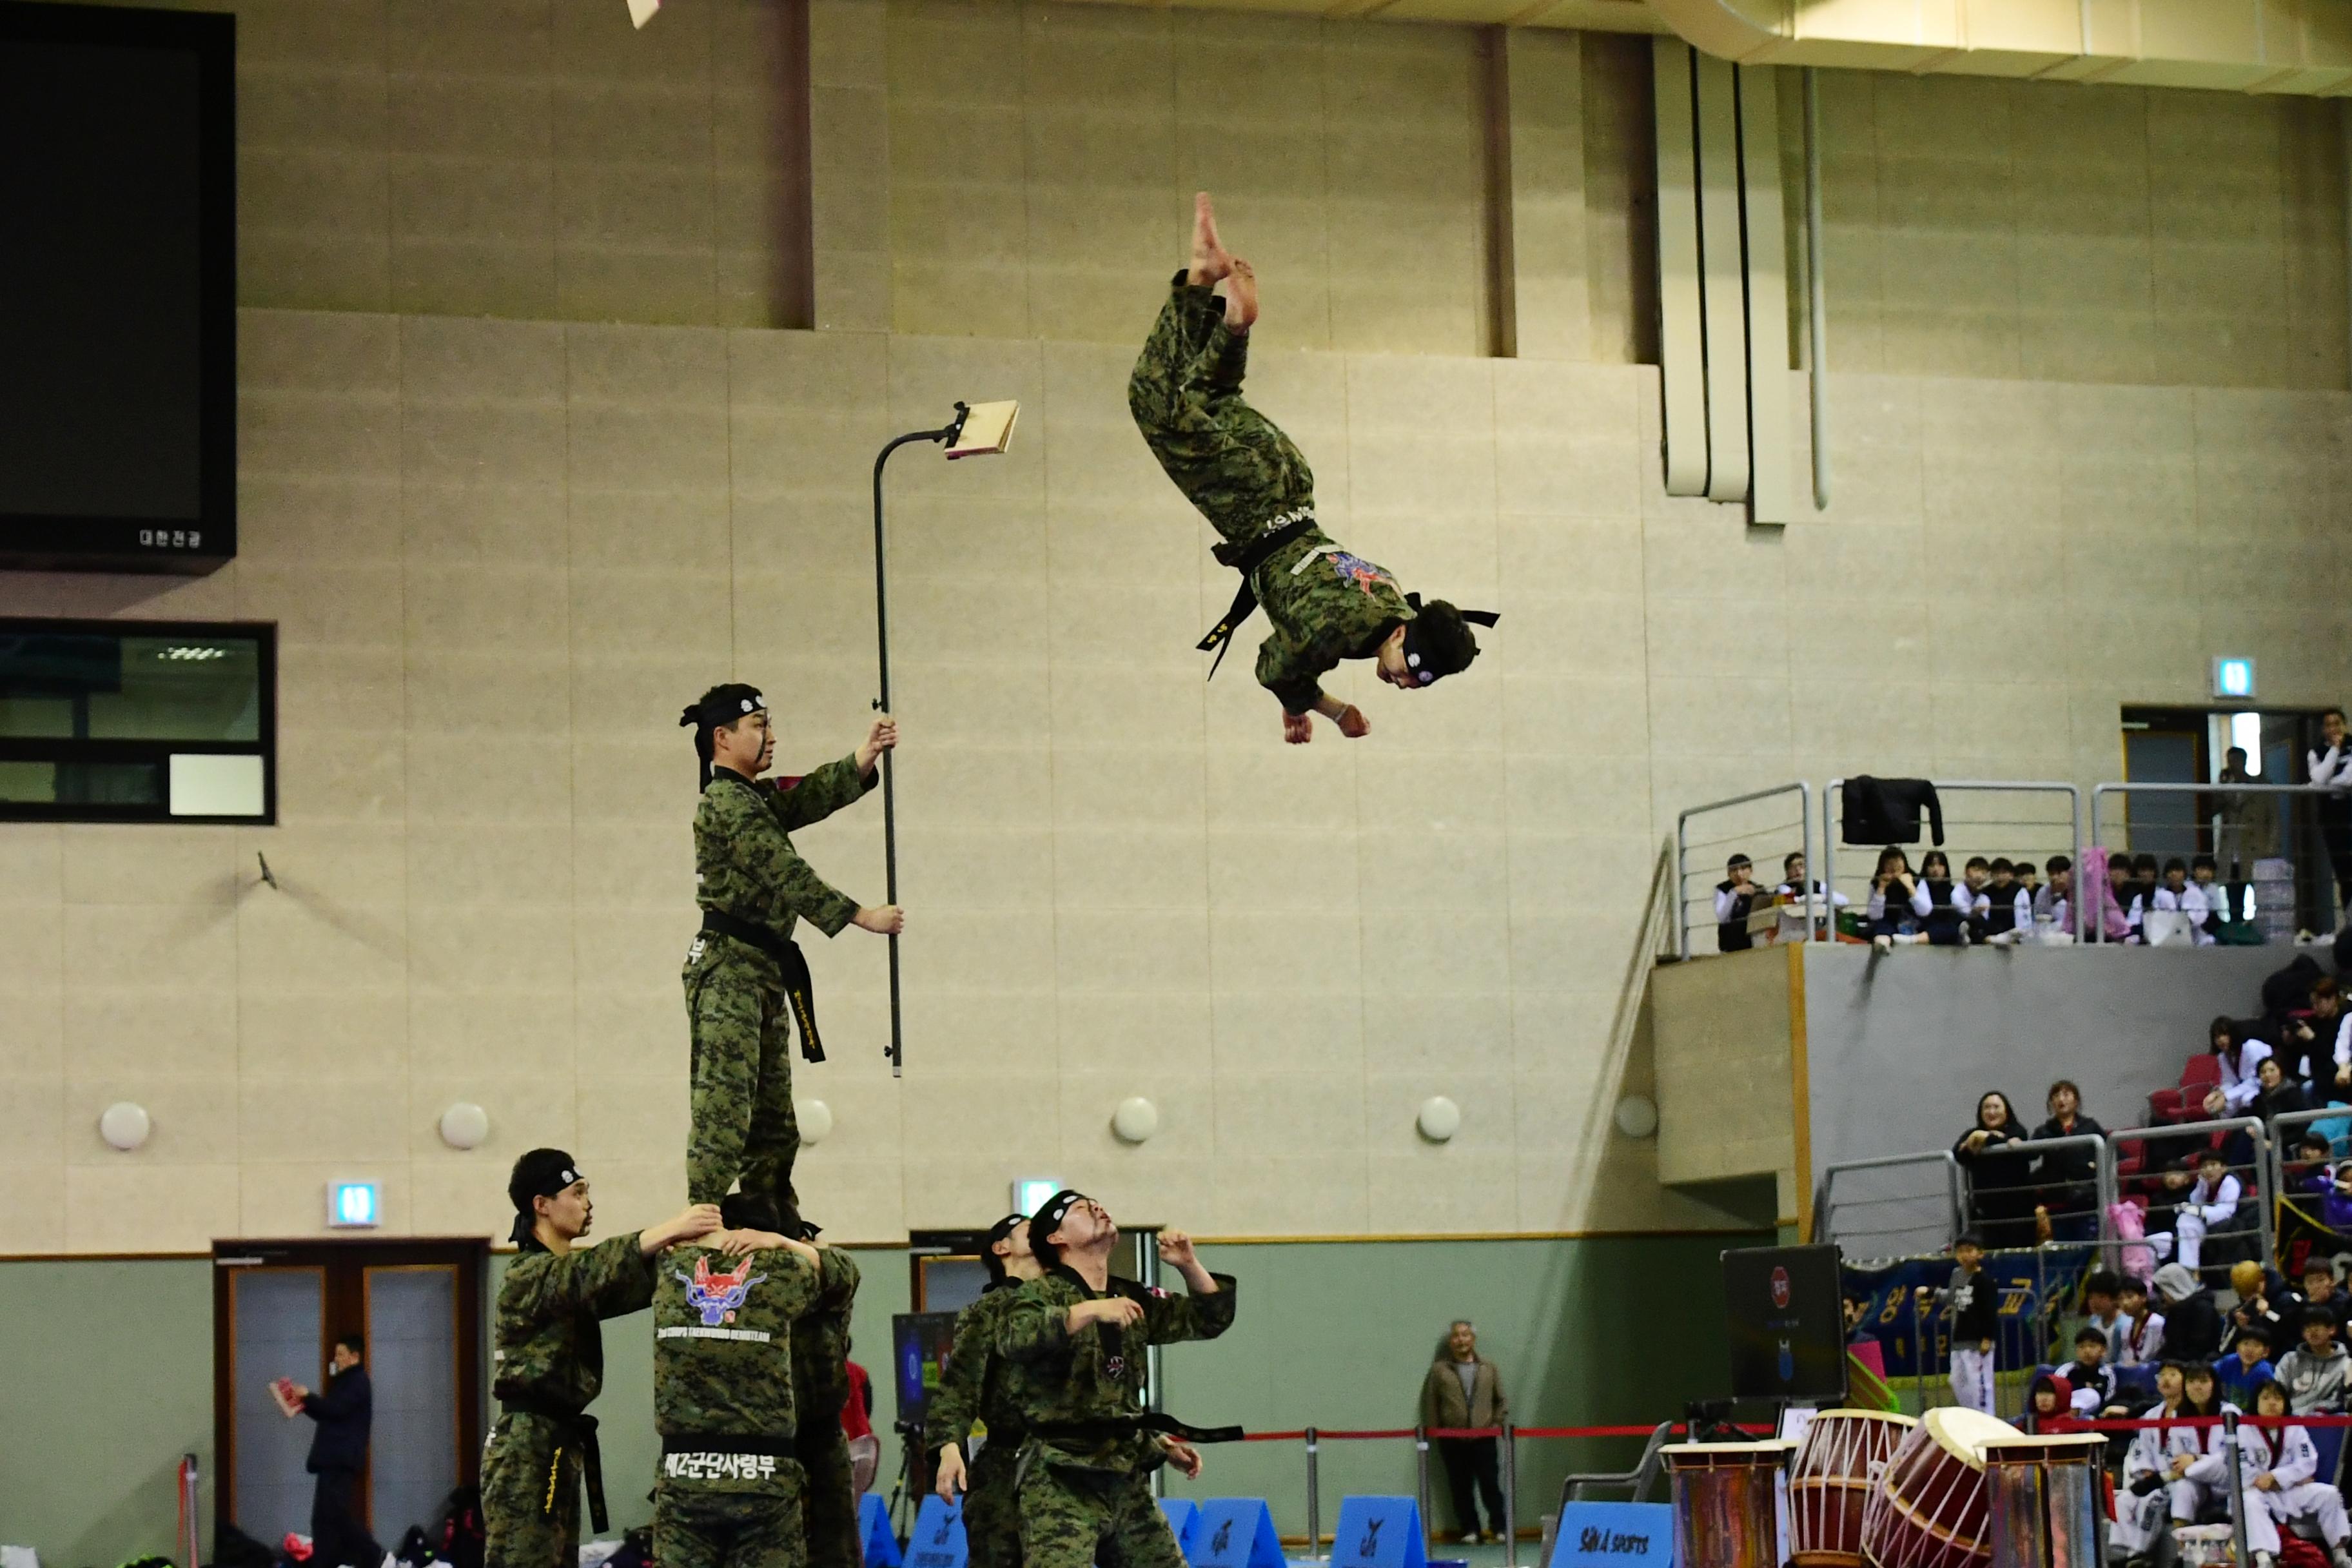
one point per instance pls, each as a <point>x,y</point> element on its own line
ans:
<point>783,1447</point>
<point>1246,557</point>
<point>790,958</point>
<point>579,1429</point>
<point>1105,1427</point>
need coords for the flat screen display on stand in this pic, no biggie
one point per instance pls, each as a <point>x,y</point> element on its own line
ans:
<point>1783,1319</point>
<point>118,288</point>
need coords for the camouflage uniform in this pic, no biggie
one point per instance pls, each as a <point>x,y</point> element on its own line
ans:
<point>821,1373</point>
<point>1247,479</point>
<point>722,1389</point>
<point>549,1352</point>
<point>745,867</point>
<point>971,1389</point>
<point>1085,1496</point>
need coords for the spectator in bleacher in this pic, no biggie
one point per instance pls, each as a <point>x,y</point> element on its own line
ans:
<point>1942,905</point>
<point>2155,1485</point>
<point>2332,1185</point>
<point>2265,1301</point>
<point>2145,877</point>
<point>2049,1404</point>
<point>2100,1310</point>
<point>2213,896</point>
<point>2056,899</point>
<point>2317,1371</point>
<point>2329,765</point>
<point>1891,887</point>
<point>2277,1094</point>
<point>1735,896</point>
<point>2319,1289</point>
<point>2237,1053</point>
<point>1791,892</point>
<point>2192,1324</point>
<point>2322,1041</point>
<point>2210,1204</point>
<point>2139,1341</point>
<point>2176,895</point>
<point>1974,877</point>
<point>2005,906</point>
<point>2247,1367</point>
<point>2282,1464</point>
<point>2089,1375</point>
<point>2120,899</point>
<point>2248,830</point>
<point>2023,866</point>
<point>1972,1324</point>
<point>2002,1183</point>
<point>2069,1186</point>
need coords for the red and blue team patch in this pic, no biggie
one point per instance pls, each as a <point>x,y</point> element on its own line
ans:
<point>717,1295</point>
<point>1357,570</point>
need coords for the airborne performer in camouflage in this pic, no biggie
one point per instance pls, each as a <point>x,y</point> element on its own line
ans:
<point>1256,491</point>
<point>744,967</point>
<point>732,1490</point>
<point>548,1359</point>
<point>1073,1342</point>
<point>972,1388</point>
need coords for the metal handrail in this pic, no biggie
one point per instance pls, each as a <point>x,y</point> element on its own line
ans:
<point>1805,833</point>
<point>2100,792</point>
<point>1826,1196</point>
<point>2103,1168</point>
<point>2265,1189</point>
<point>1835,789</point>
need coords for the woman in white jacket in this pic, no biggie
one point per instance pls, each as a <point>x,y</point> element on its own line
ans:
<point>2282,1467</point>
<point>2159,1489</point>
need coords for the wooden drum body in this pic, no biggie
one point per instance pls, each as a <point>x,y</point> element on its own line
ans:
<point>2049,1499</point>
<point>1727,1510</point>
<point>1930,1509</point>
<point>1838,1465</point>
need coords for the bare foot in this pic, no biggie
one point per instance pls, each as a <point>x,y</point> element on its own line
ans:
<point>1241,296</point>
<point>1210,262</point>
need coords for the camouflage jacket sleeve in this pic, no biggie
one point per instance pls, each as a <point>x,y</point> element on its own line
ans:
<point>1170,1319</point>
<point>1292,671</point>
<point>965,1377</point>
<point>610,1279</point>
<point>819,794</point>
<point>1035,1325</point>
<point>756,842</point>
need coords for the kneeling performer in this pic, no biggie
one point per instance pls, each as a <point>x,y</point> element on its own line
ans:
<point>1242,473</point>
<point>1073,1345</point>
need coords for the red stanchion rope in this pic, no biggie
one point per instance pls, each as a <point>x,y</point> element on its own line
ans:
<point>1392,1433</point>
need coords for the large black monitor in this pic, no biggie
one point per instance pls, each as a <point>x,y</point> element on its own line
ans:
<point>118,288</point>
<point>1786,1326</point>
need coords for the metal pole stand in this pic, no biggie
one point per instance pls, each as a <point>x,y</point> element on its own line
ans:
<point>2237,1487</point>
<point>1314,1500</point>
<point>1420,1483</point>
<point>1511,1495</point>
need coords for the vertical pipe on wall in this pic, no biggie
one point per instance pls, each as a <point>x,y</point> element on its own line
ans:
<point>1681,353</point>
<point>1816,335</point>
<point>1764,246</point>
<point>1723,276</point>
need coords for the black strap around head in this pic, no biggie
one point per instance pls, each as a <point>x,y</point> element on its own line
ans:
<point>1483,617</point>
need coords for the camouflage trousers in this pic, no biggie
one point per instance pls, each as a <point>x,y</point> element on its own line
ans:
<point>1077,1518</point>
<point>742,1122</point>
<point>1229,459</point>
<point>831,1506</point>
<point>530,1496</point>
<point>699,1526</point>
<point>992,1510</point>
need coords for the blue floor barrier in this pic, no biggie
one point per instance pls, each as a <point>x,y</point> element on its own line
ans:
<point>1234,1532</point>
<point>874,1538</point>
<point>1379,1532</point>
<point>939,1540</point>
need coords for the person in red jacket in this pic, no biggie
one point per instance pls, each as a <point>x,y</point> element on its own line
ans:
<point>858,1426</point>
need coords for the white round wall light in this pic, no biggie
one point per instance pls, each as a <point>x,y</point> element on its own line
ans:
<point>1136,1120</point>
<point>1637,1116</point>
<point>464,1125</point>
<point>1440,1118</point>
<point>125,1125</point>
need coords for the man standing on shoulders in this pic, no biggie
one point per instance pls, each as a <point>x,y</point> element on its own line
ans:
<point>338,1454</point>
<point>1464,1390</point>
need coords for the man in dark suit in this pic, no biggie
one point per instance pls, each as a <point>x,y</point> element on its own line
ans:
<point>338,1453</point>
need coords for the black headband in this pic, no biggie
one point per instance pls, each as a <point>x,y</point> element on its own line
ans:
<point>543,1174</point>
<point>719,705</point>
<point>1001,1231</point>
<point>1423,659</point>
<point>1048,1219</point>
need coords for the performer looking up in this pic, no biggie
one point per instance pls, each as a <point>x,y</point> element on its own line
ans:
<point>548,1359</point>
<point>744,967</point>
<point>972,1388</point>
<point>1256,491</point>
<point>1073,1345</point>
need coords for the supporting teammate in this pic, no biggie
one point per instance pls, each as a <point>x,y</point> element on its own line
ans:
<point>730,1489</point>
<point>820,1378</point>
<point>1073,1345</point>
<point>971,1389</point>
<point>744,967</point>
<point>548,1359</point>
<point>1256,491</point>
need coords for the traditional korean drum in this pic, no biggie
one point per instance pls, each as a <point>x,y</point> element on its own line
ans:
<point>1930,1508</point>
<point>1838,1464</point>
<point>2049,1499</point>
<point>1727,1502</point>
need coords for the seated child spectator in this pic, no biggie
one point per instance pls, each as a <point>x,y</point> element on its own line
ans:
<point>2210,1204</point>
<point>2284,1488</point>
<point>1891,887</point>
<point>2051,1403</point>
<point>2089,1375</point>
<point>1734,896</point>
<point>1942,905</point>
<point>2211,897</point>
<point>2176,894</point>
<point>1971,893</point>
<point>2006,904</point>
<point>2264,1298</point>
<point>2056,899</point>
<point>2236,1052</point>
<point>2171,1472</point>
<point>1792,893</point>
<point>2249,1367</point>
<point>2192,1325</point>
<point>2140,1338</point>
<point>2141,887</point>
<point>1973,1322</point>
<point>2315,1371</point>
<point>2100,1287</point>
<point>2321,1041</point>
<point>2024,869</point>
<point>2319,1289</point>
